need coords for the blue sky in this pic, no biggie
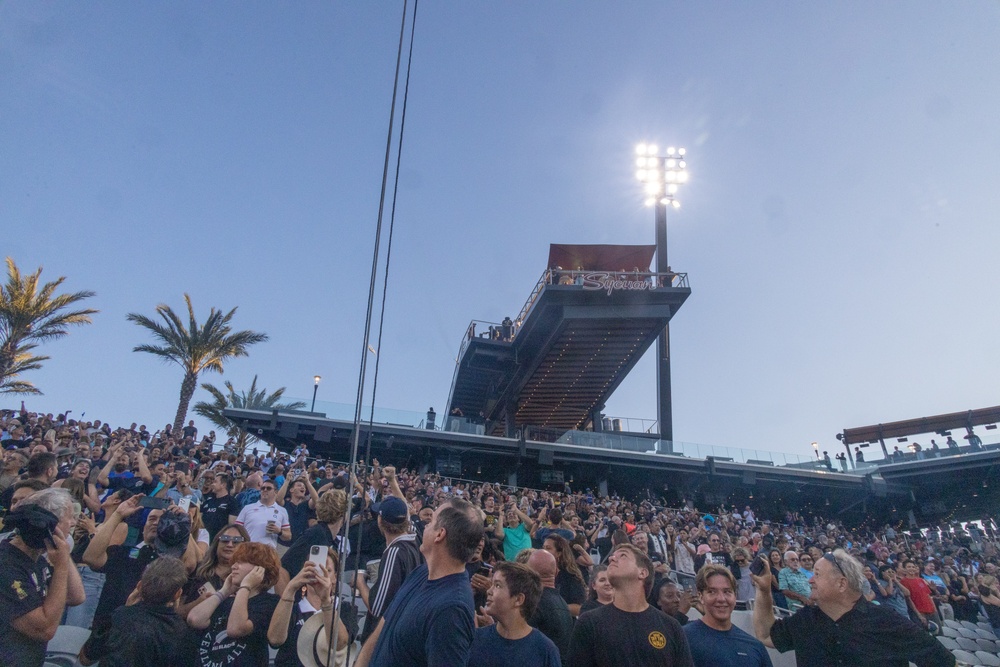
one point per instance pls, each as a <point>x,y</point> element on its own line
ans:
<point>839,228</point>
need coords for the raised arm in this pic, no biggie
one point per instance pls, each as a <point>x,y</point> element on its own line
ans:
<point>96,554</point>
<point>280,498</point>
<point>763,609</point>
<point>313,495</point>
<point>113,453</point>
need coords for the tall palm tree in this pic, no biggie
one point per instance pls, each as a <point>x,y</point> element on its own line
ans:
<point>194,347</point>
<point>31,314</point>
<point>253,399</point>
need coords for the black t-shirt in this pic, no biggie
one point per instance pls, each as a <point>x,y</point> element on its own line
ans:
<point>288,653</point>
<point>718,557</point>
<point>609,637</point>
<point>133,484</point>
<point>298,553</point>
<point>124,569</point>
<point>553,619</point>
<point>570,588</point>
<point>216,647</point>
<point>868,635</point>
<point>298,519</point>
<point>215,513</point>
<point>590,605</point>
<point>23,585</point>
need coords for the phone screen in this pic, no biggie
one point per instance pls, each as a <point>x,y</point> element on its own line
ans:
<point>154,503</point>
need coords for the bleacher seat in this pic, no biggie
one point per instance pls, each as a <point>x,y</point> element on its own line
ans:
<point>968,624</point>
<point>967,644</point>
<point>987,659</point>
<point>948,643</point>
<point>965,658</point>
<point>65,646</point>
<point>949,632</point>
<point>952,624</point>
<point>967,633</point>
<point>985,634</point>
<point>987,645</point>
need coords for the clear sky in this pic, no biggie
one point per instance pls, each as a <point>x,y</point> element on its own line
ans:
<point>839,229</point>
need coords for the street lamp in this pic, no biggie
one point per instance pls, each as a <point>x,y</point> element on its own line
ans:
<point>816,449</point>
<point>316,380</point>
<point>661,176</point>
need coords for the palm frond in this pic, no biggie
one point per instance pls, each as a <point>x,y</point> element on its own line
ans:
<point>30,314</point>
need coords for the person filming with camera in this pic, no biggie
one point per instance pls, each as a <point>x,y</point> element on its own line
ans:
<point>35,591</point>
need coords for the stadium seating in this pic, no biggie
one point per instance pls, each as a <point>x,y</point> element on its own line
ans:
<point>63,649</point>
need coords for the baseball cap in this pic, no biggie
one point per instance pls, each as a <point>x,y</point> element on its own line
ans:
<point>172,533</point>
<point>392,510</point>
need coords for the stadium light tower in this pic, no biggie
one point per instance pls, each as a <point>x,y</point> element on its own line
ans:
<point>662,176</point>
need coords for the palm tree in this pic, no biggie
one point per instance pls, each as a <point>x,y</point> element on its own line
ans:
<point>195,348</point>
<point>253,399</point>
<point>30,315</point>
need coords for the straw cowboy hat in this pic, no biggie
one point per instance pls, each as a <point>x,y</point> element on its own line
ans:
<point>313,647</point>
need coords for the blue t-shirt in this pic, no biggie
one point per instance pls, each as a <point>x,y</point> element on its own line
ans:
<point>489,649</point>
<point>732,648</point>
<point>427,623</point>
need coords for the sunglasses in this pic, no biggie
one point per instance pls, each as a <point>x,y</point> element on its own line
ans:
<point>833,560</point>
<point>234,539</point>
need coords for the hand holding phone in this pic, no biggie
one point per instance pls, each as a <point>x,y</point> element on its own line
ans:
<point>318,554</point>
<point>759,566</point>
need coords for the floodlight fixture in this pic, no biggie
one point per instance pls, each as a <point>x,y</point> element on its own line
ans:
<point>660,174</point>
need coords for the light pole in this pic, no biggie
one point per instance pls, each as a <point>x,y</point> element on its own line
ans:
<point>816,449</point>
<point>316,380</point>
<point>661,176</point>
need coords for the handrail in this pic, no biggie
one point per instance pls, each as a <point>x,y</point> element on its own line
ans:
<point>596,280</point>
<point>584,280</point>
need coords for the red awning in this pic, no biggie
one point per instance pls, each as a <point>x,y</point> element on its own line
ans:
<point>601,257</point>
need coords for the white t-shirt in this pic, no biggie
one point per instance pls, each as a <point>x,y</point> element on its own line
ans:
<point>255,517</point>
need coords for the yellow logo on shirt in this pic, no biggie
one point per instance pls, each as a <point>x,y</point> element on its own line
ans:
<point>19,589</point>
<point>657,640</point>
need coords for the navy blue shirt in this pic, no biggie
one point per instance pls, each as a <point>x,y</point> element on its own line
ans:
<point>489,649</point>
<point>427,623</point>
<point>732,648</point>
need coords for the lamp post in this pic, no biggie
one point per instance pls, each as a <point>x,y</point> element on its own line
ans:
<point>316,380</point>
<point>661,176</point>
<point>816,449</point>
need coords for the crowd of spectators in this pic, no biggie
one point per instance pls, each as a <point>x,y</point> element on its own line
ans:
<point>175,549</point>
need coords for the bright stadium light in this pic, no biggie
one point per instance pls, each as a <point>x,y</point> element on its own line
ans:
<point>660,174</point>
<point>661,177</point>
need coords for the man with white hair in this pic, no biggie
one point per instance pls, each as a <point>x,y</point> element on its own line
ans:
<point>843,628</point>
<point>793,582</point>
<point>35,591</point>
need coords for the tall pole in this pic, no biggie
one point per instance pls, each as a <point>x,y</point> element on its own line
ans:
<point>662,175</point>
<point>664,411</point>
<point>316,380</point>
